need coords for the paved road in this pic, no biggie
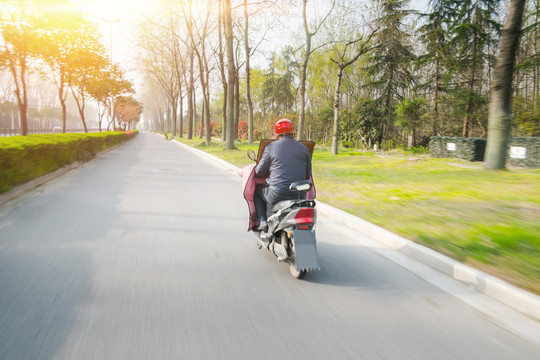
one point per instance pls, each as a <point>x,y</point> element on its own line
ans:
<point>143,254</point>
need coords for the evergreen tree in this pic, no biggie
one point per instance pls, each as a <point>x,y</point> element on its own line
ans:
<point>434,35</point>
<point>391,63</point>
<point>526,110</point>
<point>474,33</point>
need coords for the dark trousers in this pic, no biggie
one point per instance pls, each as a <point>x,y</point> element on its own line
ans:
<point>263,196</point>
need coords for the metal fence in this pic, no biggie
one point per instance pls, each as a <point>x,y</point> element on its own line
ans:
<point>12,132</point>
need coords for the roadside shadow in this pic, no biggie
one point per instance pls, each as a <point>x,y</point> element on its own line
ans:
<point>359,267</point>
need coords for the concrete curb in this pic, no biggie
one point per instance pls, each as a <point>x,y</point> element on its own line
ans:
<point>505,293</point>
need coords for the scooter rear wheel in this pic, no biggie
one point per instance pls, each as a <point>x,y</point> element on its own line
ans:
<point>297,274</point>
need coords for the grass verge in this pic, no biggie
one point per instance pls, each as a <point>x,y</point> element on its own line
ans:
<point>487,219</point>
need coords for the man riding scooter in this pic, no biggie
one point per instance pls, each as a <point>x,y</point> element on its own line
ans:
<point>280,195</point>
<point>283,162</point>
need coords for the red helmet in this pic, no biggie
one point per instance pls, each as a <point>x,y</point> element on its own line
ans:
<point>284,126</point>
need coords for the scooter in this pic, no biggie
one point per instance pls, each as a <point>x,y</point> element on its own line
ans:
<point>291,230</point>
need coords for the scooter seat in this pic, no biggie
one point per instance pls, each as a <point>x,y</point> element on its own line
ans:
<point>283,205</point>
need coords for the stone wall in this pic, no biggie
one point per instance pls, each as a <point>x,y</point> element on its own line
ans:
<point>471,149</point>
<point>522,151</point>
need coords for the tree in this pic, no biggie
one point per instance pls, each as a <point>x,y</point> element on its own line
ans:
<point>128,110</point>
<point>248,52</point>
<point>198,38</point>
<point>434,35</point>
<point>409,113</point>
<point>309,34</point>
<point>500,115</point>
<point>472,34</point>
<point>526,105</point>
<point>229,142</point>
<point>70,48</point>
<point>221,65</point>
<point>164,61</point>
<point>18,34</point>
<point>117,86</point>
<point>277,88</point>
<point>248,73</point>
<point>89,65</point>
<point>391,62</point>
<point>362,124</point>
<point>98,88</point>
<point>343,54</point>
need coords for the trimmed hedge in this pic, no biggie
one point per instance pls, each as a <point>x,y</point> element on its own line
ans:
<point>24,158</point>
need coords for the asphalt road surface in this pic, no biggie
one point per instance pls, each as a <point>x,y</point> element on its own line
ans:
<point>143,253</point>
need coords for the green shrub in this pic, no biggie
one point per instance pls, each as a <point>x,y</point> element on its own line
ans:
<point>24,158</point>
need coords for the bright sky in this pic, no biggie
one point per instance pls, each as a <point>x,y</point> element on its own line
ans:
<point>123,15</point>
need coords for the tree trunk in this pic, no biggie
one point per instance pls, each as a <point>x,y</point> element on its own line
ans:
<point>80,106</point>
<point>336,112</point>
<point>223,76</point>
<point>229,143</point>
<point>181,106</point>
<point>499,118</point>
<point>236,102</point>
<point>248,76</point>
<point>435,131</point>
<point>195,133</point>
<point>205,116</point>
<point>190,97</point>
<point>62,98</point>
<point>207,108</point>
<point>224,125</point>
<point>20,92</point>
<point>100,114</point>
<point>64,115</point>
<point>472,82</point>
<point>174,109</point>
<point>303,70</point>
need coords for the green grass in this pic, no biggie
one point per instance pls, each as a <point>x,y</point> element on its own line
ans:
<point>488,219</point>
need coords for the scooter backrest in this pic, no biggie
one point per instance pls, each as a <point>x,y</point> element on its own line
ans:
<point>301,186</point>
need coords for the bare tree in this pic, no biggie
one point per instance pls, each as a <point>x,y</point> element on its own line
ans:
<point>164,60</point>
<point>248,53</point>
<point>198,37</point>
<point>340,59</point>
<point>221,65</point>
<point>303,69</point>
<point>229,142</point>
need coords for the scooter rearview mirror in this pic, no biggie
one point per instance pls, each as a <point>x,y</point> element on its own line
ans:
<point>251,155</point>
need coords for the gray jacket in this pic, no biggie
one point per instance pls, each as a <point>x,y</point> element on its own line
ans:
<point>284,161</point>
